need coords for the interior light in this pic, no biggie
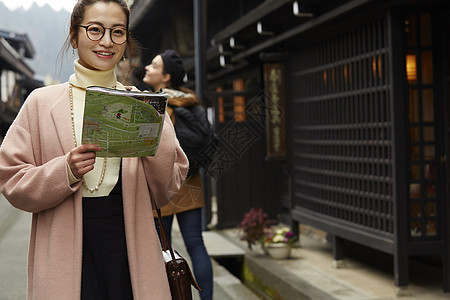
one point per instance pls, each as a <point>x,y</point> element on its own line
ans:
<point>411,67</point>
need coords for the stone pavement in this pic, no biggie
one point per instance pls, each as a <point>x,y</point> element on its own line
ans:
<point>14,237</point>
<point>308,274</point>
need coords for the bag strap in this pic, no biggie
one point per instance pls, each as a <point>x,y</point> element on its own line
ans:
<point>164,240</point>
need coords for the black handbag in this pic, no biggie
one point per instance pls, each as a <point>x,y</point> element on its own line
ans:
<point>177,268</point>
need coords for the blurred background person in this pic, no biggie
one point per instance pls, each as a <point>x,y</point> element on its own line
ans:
<point>194,131</point>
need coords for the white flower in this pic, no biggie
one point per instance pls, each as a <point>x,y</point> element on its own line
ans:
<point>278,238</point>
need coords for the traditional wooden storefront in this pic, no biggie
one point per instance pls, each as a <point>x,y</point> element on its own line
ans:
<point>338,111</point>
<point>369,140</point>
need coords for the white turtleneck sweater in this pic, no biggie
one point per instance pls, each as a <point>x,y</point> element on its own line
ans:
<point>80,80</point>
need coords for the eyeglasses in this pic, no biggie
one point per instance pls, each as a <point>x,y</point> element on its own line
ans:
<point>95,32</point>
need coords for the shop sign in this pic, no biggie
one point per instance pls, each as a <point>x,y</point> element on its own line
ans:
<point>275,110</point>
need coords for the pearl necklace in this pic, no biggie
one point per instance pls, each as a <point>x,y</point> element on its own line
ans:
<point>102,174</point>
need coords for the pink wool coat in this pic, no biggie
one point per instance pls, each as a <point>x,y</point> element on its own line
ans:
<point>33,177</point>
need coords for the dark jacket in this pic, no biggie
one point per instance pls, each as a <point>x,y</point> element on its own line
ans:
<point>192,129</point>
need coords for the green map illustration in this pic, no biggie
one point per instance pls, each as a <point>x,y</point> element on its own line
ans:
<point>121,125</point>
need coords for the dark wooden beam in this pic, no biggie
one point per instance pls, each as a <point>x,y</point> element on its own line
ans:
<point>200,46</point>
<point>13,60</point>
<point>252,17</point>
<point>351,5</point>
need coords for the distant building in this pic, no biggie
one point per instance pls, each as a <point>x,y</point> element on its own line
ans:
<point>16,76</point>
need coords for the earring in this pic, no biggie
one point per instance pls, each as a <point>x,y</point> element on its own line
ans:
<point>73,52</point>
<point>124,58</point>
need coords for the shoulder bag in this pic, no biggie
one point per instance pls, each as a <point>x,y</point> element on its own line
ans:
<point>178,271</point>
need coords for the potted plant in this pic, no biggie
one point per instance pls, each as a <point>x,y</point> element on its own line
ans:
<point>254,226</point>
<point>278,243</point>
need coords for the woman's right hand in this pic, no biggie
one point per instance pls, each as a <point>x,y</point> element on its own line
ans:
<point>82,158</point>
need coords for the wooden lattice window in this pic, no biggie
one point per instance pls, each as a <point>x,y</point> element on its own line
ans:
<point>343,128</point>
<point>423,204</point>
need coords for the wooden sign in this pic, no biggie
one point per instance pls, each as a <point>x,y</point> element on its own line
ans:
<point>275,110</point>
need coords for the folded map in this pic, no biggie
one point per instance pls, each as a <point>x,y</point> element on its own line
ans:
<point>123,123</point>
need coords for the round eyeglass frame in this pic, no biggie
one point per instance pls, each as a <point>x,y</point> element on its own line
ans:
<point>103,34</point>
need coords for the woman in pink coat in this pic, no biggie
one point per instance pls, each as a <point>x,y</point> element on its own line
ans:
<point>93,234</point>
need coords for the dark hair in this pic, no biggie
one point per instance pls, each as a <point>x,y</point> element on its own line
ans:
<point>77,16</point>
<point>173,65</point>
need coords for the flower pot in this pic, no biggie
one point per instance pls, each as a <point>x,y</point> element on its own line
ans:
<point>278,250</point>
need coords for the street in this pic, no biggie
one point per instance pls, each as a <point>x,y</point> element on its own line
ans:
<point>14,237</point>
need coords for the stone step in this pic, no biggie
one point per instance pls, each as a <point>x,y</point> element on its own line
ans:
<point>226,285</point>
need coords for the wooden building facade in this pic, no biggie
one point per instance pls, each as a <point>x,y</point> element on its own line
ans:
<point>331,113</point>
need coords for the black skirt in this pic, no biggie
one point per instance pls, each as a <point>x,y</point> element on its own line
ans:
<point>105,271</point>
